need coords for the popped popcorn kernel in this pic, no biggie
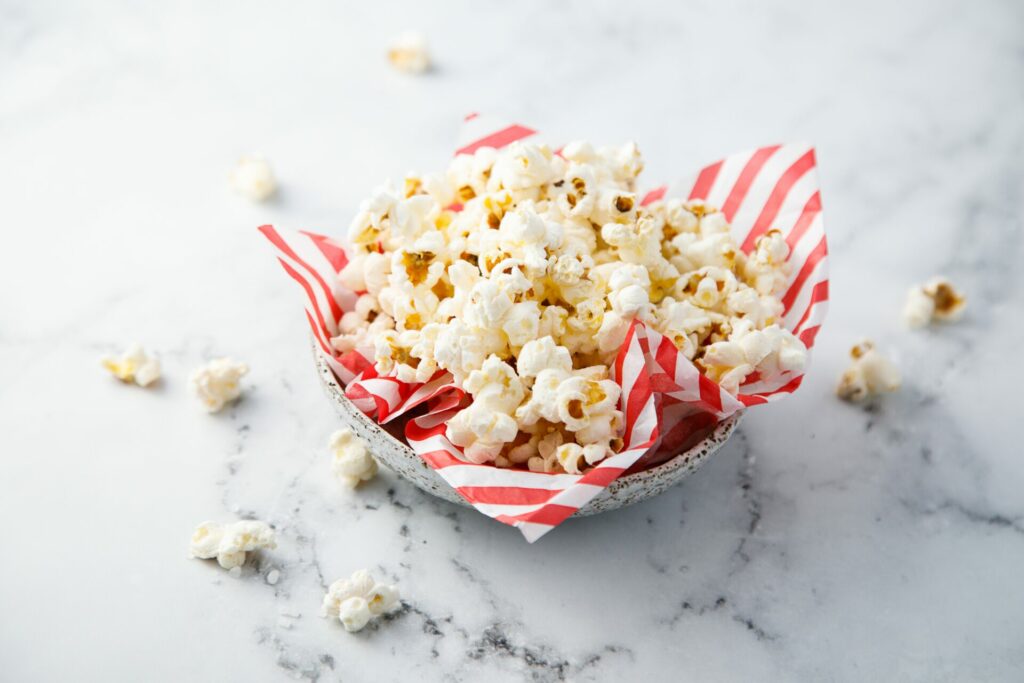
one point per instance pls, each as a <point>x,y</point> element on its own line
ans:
<point>869,374</point>
<point>217,383</point>
<point>253,178</point>
<point>133,366</point>
<point>408,53</point>
<point>937,299</point>
<point>357,600</point>
<point>352,460</point>
<point>230,543</point>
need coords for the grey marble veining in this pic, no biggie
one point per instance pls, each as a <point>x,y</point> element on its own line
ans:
<point>823,542</point>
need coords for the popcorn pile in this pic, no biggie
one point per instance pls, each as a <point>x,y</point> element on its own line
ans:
<point>356,600</point>
<point>230,542</point>
<point>519,272</point>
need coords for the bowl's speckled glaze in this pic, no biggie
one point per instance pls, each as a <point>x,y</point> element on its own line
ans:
<point>626,490</point>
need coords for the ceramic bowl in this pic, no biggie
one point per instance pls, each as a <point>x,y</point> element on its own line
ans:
<point>391,451</point>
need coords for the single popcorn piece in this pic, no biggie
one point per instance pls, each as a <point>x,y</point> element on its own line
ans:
<point>230,543</point>
<point>937,299</point>
<point>217,383</point>
<point>253,178</point>
<point>519,272</point>
<point>134,365</point>
<point>357,600</point>
<point>869,374</point>
<point>408,53</point>
<point>352,461</point>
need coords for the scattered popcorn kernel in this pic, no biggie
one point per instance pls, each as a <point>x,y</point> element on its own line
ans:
<point>869,374</point>
<point>253,178</point>
<point>217,383</point>
<point>937,299</point>
<point>230,543</point>
<point>408,53</point>
<point>134,365</point>
<point>358,599</point>
<point>352,461</point>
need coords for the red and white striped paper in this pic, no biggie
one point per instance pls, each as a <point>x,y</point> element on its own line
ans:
<point>663,394</point>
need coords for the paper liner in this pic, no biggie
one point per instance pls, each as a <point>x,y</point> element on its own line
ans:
<point>665,399</point>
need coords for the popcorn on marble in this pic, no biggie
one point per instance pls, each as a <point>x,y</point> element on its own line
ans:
<point>357,600</point>
<point>936,299</point>
<point>229,543</point>
<point>133,366</point>
<point>408,53</point>
<point>352,460</point>
<point>253,178</point>
<point>218,383</point>
<point>525,290</point>
<point>870,373</point>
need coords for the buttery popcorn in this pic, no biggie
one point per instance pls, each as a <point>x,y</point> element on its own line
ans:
<point>936,299</point>
<point>352,461</point>
<point>520,271</point>
<point>134,365</point>
<point>408,53</point>
<point>358,599</point>
<point>229,543</point>
<point>217,383</point>
<point>253,179</point>
<point>869,374</point>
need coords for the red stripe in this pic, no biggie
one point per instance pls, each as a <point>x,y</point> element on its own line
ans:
<point>665,357</point>
<point>353,360</point>
<point>438,460</point>
<point>271,234</point>
<point>771,208</point>
<point>811,209</point>
<point>654,195</point>
<point>816,255</point>
<point>639,392</point>
<point>414,431</point>
<point>621,357</point>
<point>357,392</point>
<point>334,254</point>
<point>705,180</point>
<point>498,140</point>
<point>746,179</point>
<point>551,514</point>
<point>788,388</point>
<point>316,333</point>
<point>471,115</point>
<point>507,495</point>
<point>819,293</point>
<point>809,335</point>
<point>309,292</point>
<point>602,476</point>
<point>710,393</point>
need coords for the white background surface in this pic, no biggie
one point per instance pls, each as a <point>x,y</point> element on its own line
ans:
<point>825,542</point>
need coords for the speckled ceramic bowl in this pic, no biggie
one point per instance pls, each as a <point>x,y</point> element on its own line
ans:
<point>626,490</point>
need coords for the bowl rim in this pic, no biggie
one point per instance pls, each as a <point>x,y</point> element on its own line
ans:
<point>715,438</point>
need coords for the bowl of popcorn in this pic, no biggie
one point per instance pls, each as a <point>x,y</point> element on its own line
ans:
<point>526,333</point>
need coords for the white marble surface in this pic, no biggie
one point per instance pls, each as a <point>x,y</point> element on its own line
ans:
<point>825,542</point>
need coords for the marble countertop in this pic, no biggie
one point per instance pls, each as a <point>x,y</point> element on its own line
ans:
<point>824,542</point>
